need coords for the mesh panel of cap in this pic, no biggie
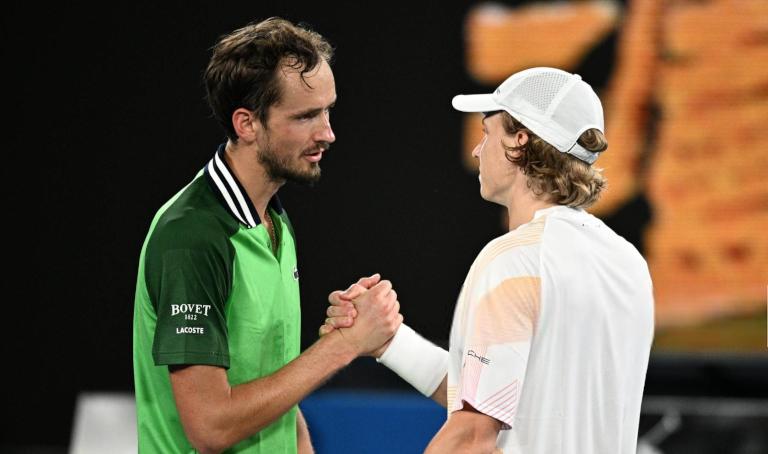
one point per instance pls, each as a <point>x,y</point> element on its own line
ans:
<point>541,89</point>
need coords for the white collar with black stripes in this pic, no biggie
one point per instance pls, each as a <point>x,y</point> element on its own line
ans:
<point>231,192</point>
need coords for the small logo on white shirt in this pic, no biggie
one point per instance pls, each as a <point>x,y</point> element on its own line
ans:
<point>481,358</point>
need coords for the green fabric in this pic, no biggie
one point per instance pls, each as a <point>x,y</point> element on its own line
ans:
<point>211,291</point>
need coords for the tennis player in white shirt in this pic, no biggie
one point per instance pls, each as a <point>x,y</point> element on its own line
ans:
<point>553,327</point>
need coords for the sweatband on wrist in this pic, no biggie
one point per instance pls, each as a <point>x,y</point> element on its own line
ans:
<point>416,360</point>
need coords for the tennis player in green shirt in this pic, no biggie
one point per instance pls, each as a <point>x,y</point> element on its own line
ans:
<point>216,333</point>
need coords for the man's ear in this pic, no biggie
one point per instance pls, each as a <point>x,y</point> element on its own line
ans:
<point>247,124</point>
<point>521,137</point>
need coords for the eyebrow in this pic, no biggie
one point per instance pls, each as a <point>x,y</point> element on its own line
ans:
<point>314,111</point>
<point>489,114</point>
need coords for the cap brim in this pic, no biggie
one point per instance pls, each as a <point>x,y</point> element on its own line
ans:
<point>475,103</point>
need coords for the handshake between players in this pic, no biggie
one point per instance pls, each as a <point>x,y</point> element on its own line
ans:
<point>367,315</point>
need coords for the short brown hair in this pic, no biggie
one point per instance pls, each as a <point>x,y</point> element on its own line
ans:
<point>564,178</point>
<point>243,68</point>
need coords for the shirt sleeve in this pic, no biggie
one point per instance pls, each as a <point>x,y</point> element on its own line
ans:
<point>189,283</point>
<point>498,342</point>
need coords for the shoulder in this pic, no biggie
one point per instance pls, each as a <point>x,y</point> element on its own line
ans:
<point>192,220</point>
<point>519,246</point>
<point>513,255</point>
<point>576,234</point>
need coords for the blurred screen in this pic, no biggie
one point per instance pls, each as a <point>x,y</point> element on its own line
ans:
<point>684,85</point>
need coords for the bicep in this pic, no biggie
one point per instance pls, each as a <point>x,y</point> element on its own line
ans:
<point>482,426</point>
<point>466,430</point>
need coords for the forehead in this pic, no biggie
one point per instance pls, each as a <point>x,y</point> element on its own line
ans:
<point>316,90</point>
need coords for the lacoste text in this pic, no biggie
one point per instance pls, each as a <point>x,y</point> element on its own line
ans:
<point>190,330</point>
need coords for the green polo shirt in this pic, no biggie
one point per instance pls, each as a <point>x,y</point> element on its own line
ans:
<point>210,290</point>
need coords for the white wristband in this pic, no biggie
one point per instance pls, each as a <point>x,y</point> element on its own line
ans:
<point>416,360</point>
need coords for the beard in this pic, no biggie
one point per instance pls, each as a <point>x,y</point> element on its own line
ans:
<point>284,167</point>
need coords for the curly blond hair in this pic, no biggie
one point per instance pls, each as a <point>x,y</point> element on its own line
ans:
<point>565,179</point>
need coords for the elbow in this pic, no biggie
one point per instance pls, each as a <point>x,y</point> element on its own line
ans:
<point>213,438</point>
<point>202,449</point>
<point>206,440</point>
<point>208,446</point>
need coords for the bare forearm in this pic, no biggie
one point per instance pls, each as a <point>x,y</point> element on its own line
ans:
<point>256,404</point>
<point>232,414</point>
<point>303,441</point>
<point>441,393</point>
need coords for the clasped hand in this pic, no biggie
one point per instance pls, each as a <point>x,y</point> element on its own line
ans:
<point>367,314</point>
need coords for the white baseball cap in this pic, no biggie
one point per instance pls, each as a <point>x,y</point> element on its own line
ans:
<point>554,104</point>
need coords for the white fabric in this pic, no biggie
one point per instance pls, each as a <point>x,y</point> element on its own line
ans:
<point>104,422</point>
<point>416,360</point>
<point>552,334</point>
<point>556,105</point>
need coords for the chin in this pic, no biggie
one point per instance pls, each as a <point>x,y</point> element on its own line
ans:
<point>306,178</point>
<point>313,173</point>
<point>490,197</point>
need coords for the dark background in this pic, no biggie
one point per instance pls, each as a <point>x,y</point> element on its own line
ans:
<point>105,120</point>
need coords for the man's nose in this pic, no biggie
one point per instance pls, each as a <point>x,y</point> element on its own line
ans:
<point>478,148</point>
<point>326,132</point>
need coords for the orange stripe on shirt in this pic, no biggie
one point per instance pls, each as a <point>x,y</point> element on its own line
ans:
<point>528,234</point>
<point>508,313</point>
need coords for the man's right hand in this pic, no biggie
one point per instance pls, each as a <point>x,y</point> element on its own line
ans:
<point>366,318</point>
<point>341,311</point>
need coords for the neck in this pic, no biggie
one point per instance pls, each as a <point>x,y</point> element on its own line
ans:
<point>244,162</point>
<point>519,215</point>
<point>522,204</point>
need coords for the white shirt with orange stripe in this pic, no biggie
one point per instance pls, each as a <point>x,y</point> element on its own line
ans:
<point>552,334</point>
